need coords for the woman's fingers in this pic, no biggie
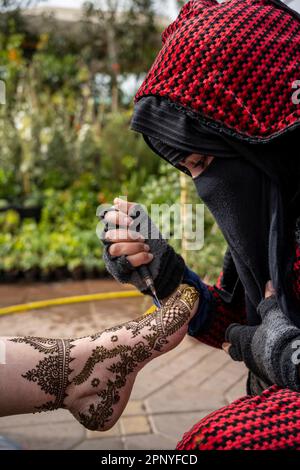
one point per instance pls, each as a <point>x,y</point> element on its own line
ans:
<point>132,248</point>
<point>123,206</point>
<point>117,218</point>
<point>123,235</point>
<point>140,259</point>
<point>126,242</point>
<point>269,290</point>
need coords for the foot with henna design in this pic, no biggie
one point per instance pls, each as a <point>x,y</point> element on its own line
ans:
<point>108,363</point>
<point>91,376</point>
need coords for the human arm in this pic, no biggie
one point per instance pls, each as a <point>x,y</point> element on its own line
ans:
<point>269,350</point>
<point>224,313</point>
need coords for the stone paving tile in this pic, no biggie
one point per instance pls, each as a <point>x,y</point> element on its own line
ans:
<point>149,382</point>
<point>174,425</point>
<point>57,416</point>
<point>225,377</point>
<point>113,432</point>
<point>134,407</point>
<point>186,344</point>
<point>101,444</point>
<point>170,394</point>
<point>237,390</point>
<point>135,425</point>
<point>189,392</point>
<point>50,436</point>
<point>216,361</point>
<point>150,442</point>
<point>173,400</point>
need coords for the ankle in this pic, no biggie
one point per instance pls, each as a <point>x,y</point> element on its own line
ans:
<point>107,363</point>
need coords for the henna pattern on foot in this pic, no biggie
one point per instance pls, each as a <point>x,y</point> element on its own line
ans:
<point>52,372</point>
<point>121,354</point>
<point>43,345</point>
<point>160,325</point>
<point>95,382</point>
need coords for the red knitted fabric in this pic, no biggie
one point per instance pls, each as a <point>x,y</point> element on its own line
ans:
<point>270,421</point>
<point>233,65</point>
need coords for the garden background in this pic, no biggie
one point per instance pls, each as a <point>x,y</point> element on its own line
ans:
<point>66,146</point>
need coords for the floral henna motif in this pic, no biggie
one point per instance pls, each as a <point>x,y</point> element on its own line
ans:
<point>170,318</point>
<point>52,372</point>
<point>43,345</point>
<point>99,354</point>
<point>100,413</point>
<point>108,330</point>
<point>186,294</point>
<point>95,382</point>
<point>160,324</point>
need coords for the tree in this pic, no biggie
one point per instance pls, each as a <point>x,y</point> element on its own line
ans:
<point>129,36</point>
<point>10,9</point>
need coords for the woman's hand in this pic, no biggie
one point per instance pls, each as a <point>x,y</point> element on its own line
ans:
<point>131,239</point>
<point>269,291</point>
<point>126,242</point>
<point>269,349</point>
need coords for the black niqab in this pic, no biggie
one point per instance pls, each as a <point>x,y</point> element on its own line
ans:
<point>254,195</point>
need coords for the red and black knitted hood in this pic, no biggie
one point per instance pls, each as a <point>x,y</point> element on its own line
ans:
<point>235,66</point>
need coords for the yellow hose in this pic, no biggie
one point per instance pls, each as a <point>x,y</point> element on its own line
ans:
<point>69,300</point>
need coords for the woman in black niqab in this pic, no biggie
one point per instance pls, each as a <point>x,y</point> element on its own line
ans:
<point>252,190</point>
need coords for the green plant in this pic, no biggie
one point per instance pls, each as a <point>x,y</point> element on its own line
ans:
<point>9,221</point>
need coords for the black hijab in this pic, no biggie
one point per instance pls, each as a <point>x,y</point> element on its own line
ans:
<point>252,191</point>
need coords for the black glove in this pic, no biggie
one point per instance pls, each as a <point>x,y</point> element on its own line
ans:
<point>270,349</point>
<point>166,268</point>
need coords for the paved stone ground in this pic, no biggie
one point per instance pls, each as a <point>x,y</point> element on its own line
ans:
<point>170,394</point>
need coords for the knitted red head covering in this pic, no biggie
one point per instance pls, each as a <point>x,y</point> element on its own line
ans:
<point>234,66</point>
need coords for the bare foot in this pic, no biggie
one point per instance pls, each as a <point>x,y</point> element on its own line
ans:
<point>105,365</point>
<point>92,376</point>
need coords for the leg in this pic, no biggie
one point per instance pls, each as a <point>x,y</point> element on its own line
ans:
<point>92,376</point>
<point>113,359</point>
